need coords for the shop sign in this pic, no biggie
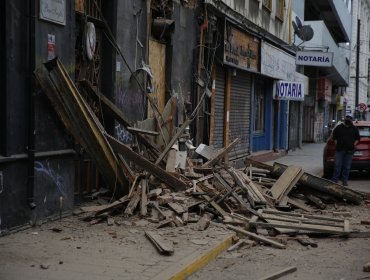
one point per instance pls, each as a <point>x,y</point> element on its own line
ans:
<point>53,10</point>
<point>288,90</point>
<point>319,59</point>
<point>241,50</point>
<point>276,63</point>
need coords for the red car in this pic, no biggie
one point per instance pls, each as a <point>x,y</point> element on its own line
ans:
<point>361,157</point>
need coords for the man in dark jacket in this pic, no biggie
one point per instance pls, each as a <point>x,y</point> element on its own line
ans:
<point>346,136</point>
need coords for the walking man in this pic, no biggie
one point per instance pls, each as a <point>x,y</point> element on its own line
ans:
<point>346,136</point>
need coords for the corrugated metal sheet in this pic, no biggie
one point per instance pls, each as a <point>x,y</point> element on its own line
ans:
<point>240,111</point>
<point>218,132</point>
<point>308,124</point>
<point>294,117</point>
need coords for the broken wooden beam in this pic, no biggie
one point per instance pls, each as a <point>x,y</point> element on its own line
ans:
<point>142,131</point>
<point>151,168</point>
<point>257,237</point>
<point>285,183</point>
<point>116,113</point>
<point>79,119</point>
<point>255,197</point>
<point>165,248</point>
<point>173,140</point>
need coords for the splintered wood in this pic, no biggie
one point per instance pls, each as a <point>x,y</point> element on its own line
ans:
<point>154,179</point>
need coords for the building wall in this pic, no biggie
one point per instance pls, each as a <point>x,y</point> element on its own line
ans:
<point>361,10</point>
<point>267,19</point>
<point>28,112</point>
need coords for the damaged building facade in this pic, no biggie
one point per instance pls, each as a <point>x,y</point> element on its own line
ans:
<point>125,50</point>
<point>220,70</point>
<point>253,57</point>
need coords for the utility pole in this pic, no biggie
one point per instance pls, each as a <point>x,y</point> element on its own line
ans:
<point>357,70</point>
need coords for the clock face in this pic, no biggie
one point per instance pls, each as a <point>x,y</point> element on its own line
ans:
<point>90,40</point>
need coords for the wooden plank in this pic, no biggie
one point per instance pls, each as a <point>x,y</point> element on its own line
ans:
<point>142,131</point>
<point>299,204</point>
<point>157,63</point>
<point>254,196</point>
<point>163,247</point>
<point>130,174</point>
<point>176,207</point>
<point>221,153</point>
<point>314,182</point>
<point>315,201</point>
<point>300,220</point>
<point>258,164</point>
<point>286,182</point>
<point>234,194</point>
<point>156,171</point>
<point>79,119</point>
<point>144,198</point>
<point>309,216</point>
<point>280,273</point>
<point>304,227</point>
<point>217,207</point>
<point>116,113</point>
<point>257,237</point>
<point>173,140</point>
<point>306,241</point>
<point>134,201</point>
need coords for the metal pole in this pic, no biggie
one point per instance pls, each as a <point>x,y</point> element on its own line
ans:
<point>357,68</point>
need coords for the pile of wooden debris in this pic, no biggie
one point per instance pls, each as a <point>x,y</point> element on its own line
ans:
<point>169,188</point>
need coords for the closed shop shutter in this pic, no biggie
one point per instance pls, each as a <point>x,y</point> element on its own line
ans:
<point>219,111</point>
<point>294,124</point>
<point>240,111</point>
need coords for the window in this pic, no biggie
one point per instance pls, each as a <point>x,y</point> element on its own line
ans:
<point>267,4</point>
<point>280,8</point>
<point>259,113</point>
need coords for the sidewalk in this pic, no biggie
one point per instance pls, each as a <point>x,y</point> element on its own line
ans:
<point>73,249</point>
<point>309,157</point>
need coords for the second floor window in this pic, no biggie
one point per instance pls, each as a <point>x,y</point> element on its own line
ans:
<point>267,4</point>
<point>280,7</point>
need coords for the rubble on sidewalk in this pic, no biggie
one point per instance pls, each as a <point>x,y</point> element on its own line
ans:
<point>196,190</point>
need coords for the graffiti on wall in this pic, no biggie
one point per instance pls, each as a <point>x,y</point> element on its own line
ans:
<point>53,175</point>
<point>122,134</point>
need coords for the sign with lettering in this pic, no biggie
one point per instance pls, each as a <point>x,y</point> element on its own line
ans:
<point>53,10</point>
<point>276,63</point>
<point>241,49</point>
<point>320,59</point>
<point>287,90</point>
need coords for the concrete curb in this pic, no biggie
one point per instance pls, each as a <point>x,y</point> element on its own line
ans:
<point>195,261</point>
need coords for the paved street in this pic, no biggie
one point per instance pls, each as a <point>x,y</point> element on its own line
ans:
<point>334,259</point>
<point>84,251</point>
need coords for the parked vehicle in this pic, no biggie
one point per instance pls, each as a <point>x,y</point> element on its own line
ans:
<point>361,156</point>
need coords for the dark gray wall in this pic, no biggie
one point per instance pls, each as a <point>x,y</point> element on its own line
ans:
<point>54,175</point>
<point>183,44</point>
<point>128,96</point>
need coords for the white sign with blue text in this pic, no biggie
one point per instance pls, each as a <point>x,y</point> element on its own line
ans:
<point>287,90</point>
<point>319,59</point>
